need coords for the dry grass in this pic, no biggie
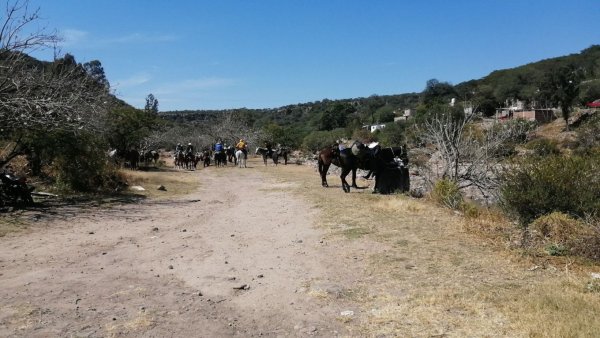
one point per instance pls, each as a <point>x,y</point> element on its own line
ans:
<point>14,223</point>
<point>433,272</point>
<point>176,182</point>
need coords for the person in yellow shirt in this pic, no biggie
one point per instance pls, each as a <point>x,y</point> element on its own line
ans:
<point>242,145</point>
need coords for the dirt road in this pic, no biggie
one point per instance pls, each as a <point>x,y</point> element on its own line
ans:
<point>266,251</point>
<point>239,257</point>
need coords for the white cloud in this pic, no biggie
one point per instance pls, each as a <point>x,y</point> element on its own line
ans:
<point>139,38</point>
<point>73,36</point>
<point>133,81</point>
<point>192,85</point>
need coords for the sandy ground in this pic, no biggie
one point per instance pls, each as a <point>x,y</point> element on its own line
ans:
<point>235,258</point>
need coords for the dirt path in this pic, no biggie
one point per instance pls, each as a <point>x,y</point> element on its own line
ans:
<point>250,254</point>
<point>232,259</point>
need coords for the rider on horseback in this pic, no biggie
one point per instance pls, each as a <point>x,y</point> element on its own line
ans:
<point>178,148</point>
<point>189,149</point>
<point>242,145</point>
<point>339,148</point>
<point>218,147</point>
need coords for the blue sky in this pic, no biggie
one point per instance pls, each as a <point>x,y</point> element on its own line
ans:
<point>223,54</point>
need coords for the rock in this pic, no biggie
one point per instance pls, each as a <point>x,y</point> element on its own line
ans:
<point>137,188</point>
<point>170,267</point>
<point>347,313</point>
<point>242,287</point>
<point>595,275</point>
<point>161,187</point>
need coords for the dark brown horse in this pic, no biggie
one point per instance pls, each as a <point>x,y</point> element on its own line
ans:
<point>230,151</point>
<point>344,159</point>
<point>282,152</point>
<point>220,158</point>
<point>265,153</point>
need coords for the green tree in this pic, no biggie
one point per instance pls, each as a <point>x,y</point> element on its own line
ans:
<point>561,87</point>
<point>127,127</point>
<point>437,92</point>
<point>95,70</point>
<point>151,104</point>
<point>393,134</point>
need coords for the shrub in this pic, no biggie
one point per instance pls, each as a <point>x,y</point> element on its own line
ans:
<point>447,193</point>
<point>543,147</point>
<point>319,139</point>
<point>560,234</point>
<point>79,163</point>
<point>536,186</point>
<point>470,210</point>
<point>588,137</point>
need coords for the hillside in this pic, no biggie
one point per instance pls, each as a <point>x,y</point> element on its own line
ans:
<point>488,93</point>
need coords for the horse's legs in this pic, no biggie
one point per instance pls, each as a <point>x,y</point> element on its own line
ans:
<point>354,178</point>
<point>345,185</point>
<point>323,172</point>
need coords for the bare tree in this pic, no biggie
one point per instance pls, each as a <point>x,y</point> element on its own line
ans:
<point>228,127</point>
<point>470,154</point>
<point>38,96</point>
<point>231,127</point>
<point>18,34</point>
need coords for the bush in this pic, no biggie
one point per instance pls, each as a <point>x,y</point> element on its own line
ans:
<point>560,234</point>
<point>446,193</point>
<point>320,139</point>
<point>543,147</point>
<point>536,186</point>
<point>588,137</point>
<point>79,163</point>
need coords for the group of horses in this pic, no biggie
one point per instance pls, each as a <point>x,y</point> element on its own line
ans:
<point>389,165</point>
<point>132,158</point>
<point>275,154</point>
<point>190,161</point>
<point>186,160</point>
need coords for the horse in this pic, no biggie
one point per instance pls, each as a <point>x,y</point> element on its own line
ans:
<point>389,166</point>
<point>240,158</point>
<point>391,175</point>
<point>220,158</point>
<point>150,156</point>
<point>180,159</point>
<point>132,158</point>
<point>388,154</point>
<point>281,152</point>
<point>205,157</point>
<point>347,161</point>
<point>190,161</point>
<point>265,153</point>
<point>230,151</point>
